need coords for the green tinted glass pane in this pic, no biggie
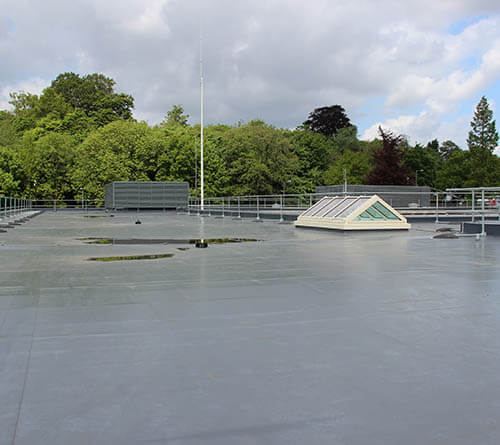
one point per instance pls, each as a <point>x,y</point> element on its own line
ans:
<point>384,211</point>
<point>365,216</point>
<point>375,214</point>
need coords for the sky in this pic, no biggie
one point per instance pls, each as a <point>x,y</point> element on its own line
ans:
<point>415,67</point>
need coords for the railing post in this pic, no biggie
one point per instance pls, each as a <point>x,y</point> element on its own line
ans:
<point>483,233</point>
<point>281,208</point>
<point>437,207</point>
<point>472,210</point>
<point>258,212</point>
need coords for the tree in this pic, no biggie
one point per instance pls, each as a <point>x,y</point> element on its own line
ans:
<point>482,141</point>
<point>327,120</point>
<point>389,168</point>
<point>447,148</point>
<point>314,152</point>
<point>259,159</point>
<point>8,133</point>
<point>11,172</point>
<point>346,139</point>
<point>483,138</point>
<point>94,95</point>
<point>455,171</point>
<point>423,162</point>
<point>25,110</point>
<point>48,161</point>
<point>119,151</point>
<point>355,164</point>
<point>176,117</point>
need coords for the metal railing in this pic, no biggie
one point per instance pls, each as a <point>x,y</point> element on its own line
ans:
<point>12,206</point>
<point>65,204</point>
<point>452,202</point>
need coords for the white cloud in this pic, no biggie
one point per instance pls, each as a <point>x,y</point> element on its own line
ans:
<point>273,59</point>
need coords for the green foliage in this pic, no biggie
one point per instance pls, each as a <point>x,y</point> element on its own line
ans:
<point>11,173</point>
<point>25,110</point>
<point>327,120</point>
<point>455,171</point>
<point>47,163</point>
<point>80,134</point>
<point>176,117</point>
<point>482,141</point>
<point>94,95</point>
<point>120,151</point>
<point>483,136</point>
<point>259,159</point>
<point>314,152</point>
<point>424,163</point>
<point>8,133</point>
<point>356,166</point>
<point>447,148</point>
<point>346,140</point>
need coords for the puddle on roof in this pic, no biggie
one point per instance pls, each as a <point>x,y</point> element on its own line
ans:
<point>132,257</point>
<point>144,241</point>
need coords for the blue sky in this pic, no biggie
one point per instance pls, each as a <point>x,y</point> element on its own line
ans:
<point>416,67</point>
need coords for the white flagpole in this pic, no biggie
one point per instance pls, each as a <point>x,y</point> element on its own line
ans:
<point>202,200</point>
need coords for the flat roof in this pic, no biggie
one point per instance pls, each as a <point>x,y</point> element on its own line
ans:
<point>307,336</point>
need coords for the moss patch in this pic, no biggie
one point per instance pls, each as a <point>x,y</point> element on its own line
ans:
<point>100,241</point>
<point>132,257</point>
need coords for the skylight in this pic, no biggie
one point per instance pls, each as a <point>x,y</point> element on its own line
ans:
<point>352,213</point>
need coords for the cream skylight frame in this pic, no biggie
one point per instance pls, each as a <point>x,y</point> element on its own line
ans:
<point>352,213</point>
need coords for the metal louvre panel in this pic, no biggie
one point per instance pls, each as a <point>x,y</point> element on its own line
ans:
<point>146,194</point>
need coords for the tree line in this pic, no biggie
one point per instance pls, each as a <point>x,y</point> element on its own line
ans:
<point>79,134</point>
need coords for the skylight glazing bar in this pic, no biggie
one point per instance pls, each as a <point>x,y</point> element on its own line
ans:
<point>345,203</point>
<point>320,204</point>
<point>333,204</point>
<point>355,205</point>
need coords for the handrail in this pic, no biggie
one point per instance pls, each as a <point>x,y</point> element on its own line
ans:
<point>12,206</point>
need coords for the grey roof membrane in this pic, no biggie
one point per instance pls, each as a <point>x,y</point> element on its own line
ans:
<point>307,337</point>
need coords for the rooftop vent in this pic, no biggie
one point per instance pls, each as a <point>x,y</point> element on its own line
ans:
<point>352,213</point>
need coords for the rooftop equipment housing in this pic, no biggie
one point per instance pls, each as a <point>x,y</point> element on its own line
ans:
<point>352,213</point>
<point>146,195</point>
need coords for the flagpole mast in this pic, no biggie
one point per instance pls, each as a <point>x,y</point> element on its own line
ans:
<point>202,198</point>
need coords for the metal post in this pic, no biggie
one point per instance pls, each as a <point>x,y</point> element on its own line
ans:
<point>258,212</point>
<point>482,213</point>
<point>437,208</point>
<point>281,208</point>
<point>222,207</point>
<point>473,199</point>
<point>239,207</point>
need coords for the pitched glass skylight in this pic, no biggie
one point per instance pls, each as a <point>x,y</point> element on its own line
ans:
<point>352,213</point>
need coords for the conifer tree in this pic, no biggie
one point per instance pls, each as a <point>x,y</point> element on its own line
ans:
<point>482,141</point>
